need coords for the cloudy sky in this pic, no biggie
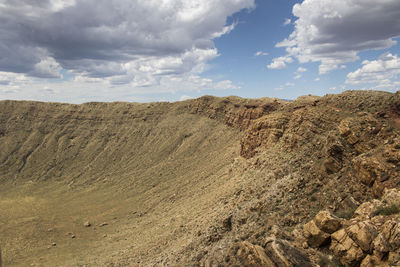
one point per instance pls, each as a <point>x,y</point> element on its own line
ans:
<point>166,50</point>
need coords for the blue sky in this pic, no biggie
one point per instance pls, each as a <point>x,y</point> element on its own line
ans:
<point>167,50</point>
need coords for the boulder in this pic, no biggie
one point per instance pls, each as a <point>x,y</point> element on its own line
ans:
<point>367,209</point>
<point>363,233</point>
<point>327,222</point>
<point>368,169</point>
<point>285,255</point>
<point>391,196</point>
<point>391,233</point>
<point>346,249</point>
<point>253,255</point>
<point>314,235</point>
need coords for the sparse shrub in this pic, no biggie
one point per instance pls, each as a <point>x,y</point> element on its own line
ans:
<point>313,198</point>
<point>345,214</point>
<point>387,210</point>
<point>323,261</point>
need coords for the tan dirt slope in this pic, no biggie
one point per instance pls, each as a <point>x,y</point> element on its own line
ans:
<point>204,182</point>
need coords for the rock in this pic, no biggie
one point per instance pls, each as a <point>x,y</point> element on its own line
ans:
<point>381,246</point>
<point>346,249</point>
<point>367,209</point>
<point>53,244</point>
<point>284,255</point>
<point>368,169</point>
<point>227,224</point>
<point>371,261</point>
<point>391,196</point>
<point>334,161</point>
<point>363,233</point>
<point>87,224</point>
<point>253,255</point>
<point>390,233</point>
<point>394,258</point>
<point>327,222</point>
<point>103,224</point>
<point>314,235</point>
<point>344,129</point>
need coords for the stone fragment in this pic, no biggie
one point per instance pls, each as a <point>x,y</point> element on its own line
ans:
<point>367,209</point>
<point>327,222</point>
<point>285,255</point>
<point>315,237</point>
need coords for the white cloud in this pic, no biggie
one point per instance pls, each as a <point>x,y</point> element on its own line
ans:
<point>139,44</point>
<point>260,53</point>
<point>333,32</point>
<point>289,84</point>
<point>287,22</point>
<point>384,73</point>
<point>297,76</point>
<point>280,62</point>
<point>317,79</point>
<point>301,69</point>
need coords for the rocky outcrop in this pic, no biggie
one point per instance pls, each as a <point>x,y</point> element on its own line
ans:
<point>253,255</point>
<point>275,253</point>
<point>370,238</point>
<point>285,255</point>
<point>346,249</point>
<point>317,231</point>
<point>264,132</point>
<point>234,111</point>
<point>358,131</point>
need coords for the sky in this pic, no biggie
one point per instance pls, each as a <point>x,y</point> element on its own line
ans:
<point>78,51</point>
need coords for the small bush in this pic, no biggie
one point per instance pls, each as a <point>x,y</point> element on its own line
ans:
<point>345,214</point>
<point>387,210</point>
<point>323,261</point>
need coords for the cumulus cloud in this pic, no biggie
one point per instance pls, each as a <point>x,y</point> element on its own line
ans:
<point>280,62</point>
<point>333,32</point>
<point>383,73</point>
<point>124,42</point>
